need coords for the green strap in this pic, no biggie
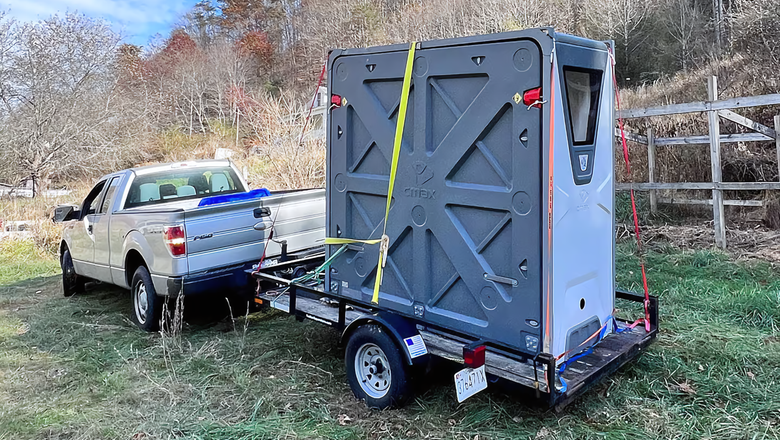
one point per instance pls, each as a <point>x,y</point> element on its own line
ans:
<point>331,240</point>
<point>322,267</point>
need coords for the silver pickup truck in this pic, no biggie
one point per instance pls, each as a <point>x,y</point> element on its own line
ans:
<point>181,228</point>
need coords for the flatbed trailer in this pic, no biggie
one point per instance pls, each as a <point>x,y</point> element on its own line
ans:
<point>311,301</point>
<point>489,211</point>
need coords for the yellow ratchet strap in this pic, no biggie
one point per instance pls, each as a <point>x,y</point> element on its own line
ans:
<point>384,242</point>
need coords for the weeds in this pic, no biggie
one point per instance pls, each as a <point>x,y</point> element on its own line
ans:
<point>77,368</point>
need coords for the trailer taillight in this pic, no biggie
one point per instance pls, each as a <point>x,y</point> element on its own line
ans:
<point>474,356</point>
<point>174,237</point>
<point>533,97</point>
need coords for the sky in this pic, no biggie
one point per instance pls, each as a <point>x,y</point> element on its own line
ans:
<point>136,20</point>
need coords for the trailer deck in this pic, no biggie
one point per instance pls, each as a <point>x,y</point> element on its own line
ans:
<point>615,350</point>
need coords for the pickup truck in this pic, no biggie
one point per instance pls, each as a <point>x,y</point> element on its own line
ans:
<point>181,229</point>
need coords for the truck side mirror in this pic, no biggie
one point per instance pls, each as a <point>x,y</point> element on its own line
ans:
<point>64,213</point>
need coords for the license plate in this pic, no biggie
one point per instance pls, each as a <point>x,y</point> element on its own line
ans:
<point>469,381</point>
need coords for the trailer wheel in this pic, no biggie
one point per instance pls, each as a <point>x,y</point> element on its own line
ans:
<point>72,283</point>
<point>376,370</point>
<point>147,306</point>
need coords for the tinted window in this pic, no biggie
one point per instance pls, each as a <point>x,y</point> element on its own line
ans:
<point>182,184</point>
<point>583,87</point>
<point>112,186</point>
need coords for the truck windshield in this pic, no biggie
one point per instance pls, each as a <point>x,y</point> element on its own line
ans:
<point>182,184</point>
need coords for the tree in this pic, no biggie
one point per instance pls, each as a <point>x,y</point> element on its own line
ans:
<point>202,23</point>
<point>683,22</point>
<point>57,94</point>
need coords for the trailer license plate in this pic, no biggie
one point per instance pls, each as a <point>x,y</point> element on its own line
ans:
<point>469,381</point>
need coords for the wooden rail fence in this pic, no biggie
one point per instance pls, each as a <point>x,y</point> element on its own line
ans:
<point>715,110</point>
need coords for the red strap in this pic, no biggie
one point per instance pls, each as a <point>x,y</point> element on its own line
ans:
<point>319,83</point>
<point>633,203</point>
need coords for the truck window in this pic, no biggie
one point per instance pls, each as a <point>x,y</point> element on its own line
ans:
<point>583,87</point>
<point>110,191</point>
<point>182,184</point>
<point>91,202</point>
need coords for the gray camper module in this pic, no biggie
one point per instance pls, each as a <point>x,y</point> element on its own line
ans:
<point>500,232</point>
<point>474,245</point>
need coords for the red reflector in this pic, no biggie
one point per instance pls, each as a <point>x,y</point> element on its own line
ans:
<point>335,100</point>
<point>533,97</point>
<point>474,357</point>
<point>176,240</point>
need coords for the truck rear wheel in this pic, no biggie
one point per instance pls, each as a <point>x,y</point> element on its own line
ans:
<point>376,370</point>
<point>147,306</point>
<point>72,283</point>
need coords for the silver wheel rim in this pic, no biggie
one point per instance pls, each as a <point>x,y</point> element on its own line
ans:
<point>140,302</point>
<point>373,370</point>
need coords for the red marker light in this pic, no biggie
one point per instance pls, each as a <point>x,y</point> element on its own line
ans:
<point>174,237</point>
<point>474,357</point>
<point>533,97</point>
<point>335,100</point>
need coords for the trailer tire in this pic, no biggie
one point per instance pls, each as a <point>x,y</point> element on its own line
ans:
<point>376,370</point>
<point>72,283</point>
<point>147,306</point>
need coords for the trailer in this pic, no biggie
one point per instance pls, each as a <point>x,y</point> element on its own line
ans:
<point>470,216</point>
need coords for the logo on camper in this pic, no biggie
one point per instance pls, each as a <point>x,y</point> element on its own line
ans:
<point>583,162</point>
<point>424,174</point>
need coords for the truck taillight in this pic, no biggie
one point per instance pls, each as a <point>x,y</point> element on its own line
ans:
<point>176,240</point>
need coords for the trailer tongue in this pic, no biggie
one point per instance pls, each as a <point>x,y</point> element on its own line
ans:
<point>470,216</point>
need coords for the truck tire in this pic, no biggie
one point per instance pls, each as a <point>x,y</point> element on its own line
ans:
<point>72,283</point>
<point>147,306</point>
<point>376,370</point>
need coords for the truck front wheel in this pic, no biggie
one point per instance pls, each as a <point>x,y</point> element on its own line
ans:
<point>147,306</point>
<point>376,369</point>
<point>72,283</point>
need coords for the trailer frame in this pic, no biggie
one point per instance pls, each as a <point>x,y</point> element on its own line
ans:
<point>311,301</point>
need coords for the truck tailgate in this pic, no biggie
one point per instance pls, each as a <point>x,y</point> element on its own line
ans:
<point>223,235</point>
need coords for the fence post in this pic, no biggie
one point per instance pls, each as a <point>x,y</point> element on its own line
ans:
<point>651,170</point>
<point>717,176</point>
<point>777,143</point>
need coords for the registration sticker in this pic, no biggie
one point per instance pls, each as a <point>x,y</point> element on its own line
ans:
<point>416,346</point>
<point>469,381</point>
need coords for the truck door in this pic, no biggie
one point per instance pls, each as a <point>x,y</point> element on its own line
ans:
<point>82,246</point>
<point>100,232</point>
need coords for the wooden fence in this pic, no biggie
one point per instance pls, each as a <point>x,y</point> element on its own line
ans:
<point>715,110</point>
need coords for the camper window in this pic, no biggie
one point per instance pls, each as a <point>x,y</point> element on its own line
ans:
<point>582,94</point>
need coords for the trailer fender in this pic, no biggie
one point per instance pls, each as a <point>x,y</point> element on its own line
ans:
<point>399,328</point>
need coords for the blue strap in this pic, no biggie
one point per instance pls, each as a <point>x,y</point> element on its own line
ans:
<point>602,334</point>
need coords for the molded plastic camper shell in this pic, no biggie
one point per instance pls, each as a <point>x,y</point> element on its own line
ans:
<point>501,225</point>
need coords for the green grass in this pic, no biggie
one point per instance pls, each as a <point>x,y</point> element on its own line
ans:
<point>19,260</point>
<point>78,368</point>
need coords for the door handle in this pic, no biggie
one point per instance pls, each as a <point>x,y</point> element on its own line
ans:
<point>89,229</point>
<point>263,211</point>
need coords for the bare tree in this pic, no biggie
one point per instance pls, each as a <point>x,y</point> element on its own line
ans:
<point>58,97</point>
<point>683,22</point>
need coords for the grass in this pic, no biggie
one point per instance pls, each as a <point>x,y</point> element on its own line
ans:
<point>78,368</point>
